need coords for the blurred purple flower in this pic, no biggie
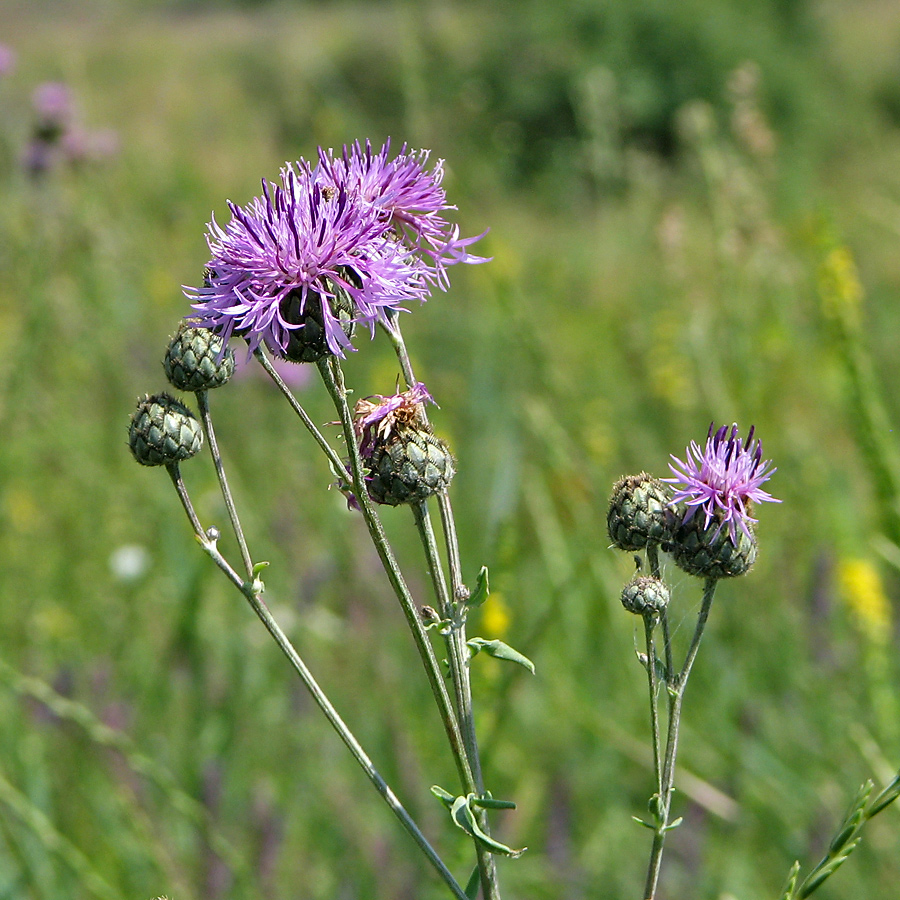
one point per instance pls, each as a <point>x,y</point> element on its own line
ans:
<point>86,145</point>
<point>38,156</point>
<point>300,237</point>
<point>723,479</point>
<point>52,102</point>
<point>7,60</point>
<point>408,197</point>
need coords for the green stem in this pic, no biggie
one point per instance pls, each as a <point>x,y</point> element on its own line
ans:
<point>203,403</point>
<point>458,659</point>
<point>457,649</point>
<point>333,377</point>
<point>676,687</point>
<point>251,591</point>
<point>653,684</point>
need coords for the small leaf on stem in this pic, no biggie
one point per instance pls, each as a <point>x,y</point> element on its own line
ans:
<point>464,817</point>
<point>490,803</point>
<point>481,590</point>
<point>499,650</point>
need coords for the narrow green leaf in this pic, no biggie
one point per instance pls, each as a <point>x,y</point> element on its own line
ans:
<point>645,824</point>
<point>481,591</point>
<point>885,798</point>
<point>674,824</point>
<point>662,673</point>
<point>788,893</point>
<point>499,650</point>
<point>816,878</point>
<point>444,796</point>
<point>259,567</point>
<point>473,884</point>
<point>491,803</point>
<point>853,820</point>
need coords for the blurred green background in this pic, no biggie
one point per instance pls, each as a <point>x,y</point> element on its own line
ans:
<point>694,214</point>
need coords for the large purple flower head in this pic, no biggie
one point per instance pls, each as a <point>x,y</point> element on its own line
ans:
<point>302,240</point>
<point>723,479</point>
<point>407,196</point>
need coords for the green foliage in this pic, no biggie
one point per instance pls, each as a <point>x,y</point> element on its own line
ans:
<point>657,243</point>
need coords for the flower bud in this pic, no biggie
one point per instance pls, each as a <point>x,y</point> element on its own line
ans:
<point>195,359</point>
<point>637,512</point>
<point>645,595</point>
<point>411,466</point>
<point>163,431</point>
<point>709,551</point>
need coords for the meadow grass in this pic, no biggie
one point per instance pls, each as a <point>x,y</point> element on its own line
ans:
<point>155,743</point>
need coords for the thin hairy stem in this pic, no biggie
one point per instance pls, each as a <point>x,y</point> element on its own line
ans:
<point>203,404</point>
<point>676,688</point>
<point>251,589</point>
<point>337,464</point>
<point>653,684</point>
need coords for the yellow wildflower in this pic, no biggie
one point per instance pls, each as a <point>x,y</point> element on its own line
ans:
<point>863,593</point>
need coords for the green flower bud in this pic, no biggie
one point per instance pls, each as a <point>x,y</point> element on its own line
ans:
<point>637,512</point>
<point>411,466</point>
<point>163,431</point>
<point>645,595</point>
<point>195,360</point>
<point>708,551</point>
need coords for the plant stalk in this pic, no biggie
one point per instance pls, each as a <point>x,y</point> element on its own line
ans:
<point>676,687</point>
<point>251,591</point>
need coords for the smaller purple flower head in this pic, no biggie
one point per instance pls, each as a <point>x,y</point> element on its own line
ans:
<point>297,240</point>
<point>723,479</point>
<point>407,196</point>
<point>376,418</point>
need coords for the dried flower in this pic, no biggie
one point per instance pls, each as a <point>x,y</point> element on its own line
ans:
<point>376,418</point>
<point>723,479</point>
<point>300,240</point>
<point>405,462</point>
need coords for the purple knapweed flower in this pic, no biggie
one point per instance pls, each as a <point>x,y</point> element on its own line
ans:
<point>723,479</point>
<point>300,238</point>
<point>376,417</point>
<point>407,196</point>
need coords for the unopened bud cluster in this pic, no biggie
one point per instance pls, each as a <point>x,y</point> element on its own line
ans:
<point>704,518</point>
<point>163,431</point>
